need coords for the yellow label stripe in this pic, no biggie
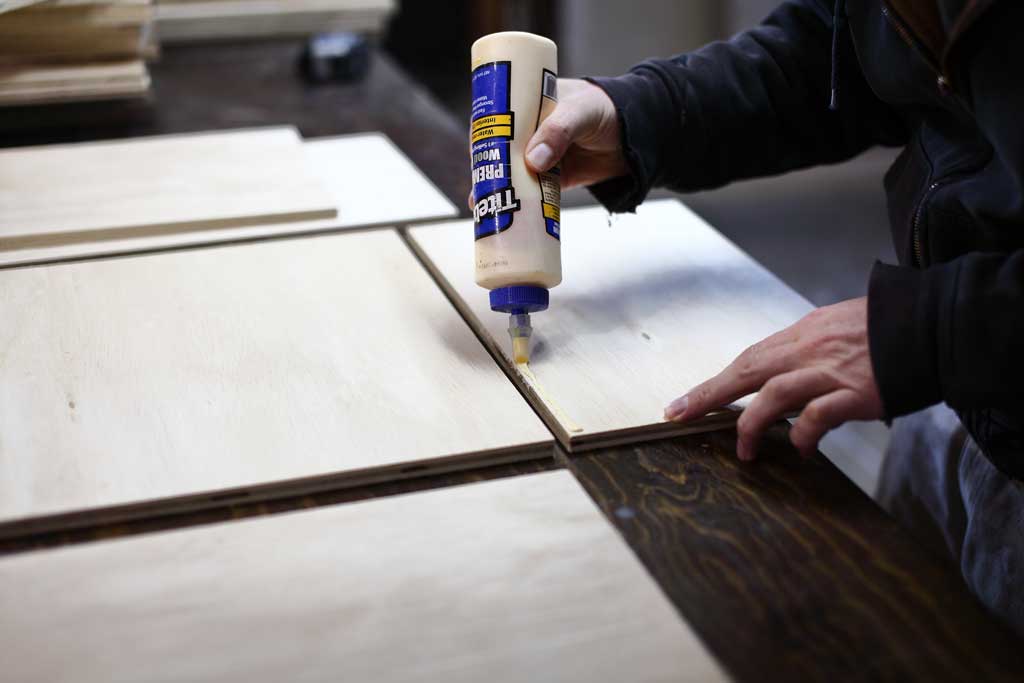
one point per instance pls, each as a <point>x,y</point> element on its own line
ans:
<point>492,120</point>
<point>492,132</point>
<point>551,211</point>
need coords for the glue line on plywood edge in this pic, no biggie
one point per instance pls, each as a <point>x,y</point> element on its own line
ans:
<point>527,374</point>
<point>529,394</point>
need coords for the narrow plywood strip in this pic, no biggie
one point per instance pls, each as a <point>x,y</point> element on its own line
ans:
<point>359,172</point>
<point>48,83</point>
<point>71,194</point>
<point>510,580</point>
<point>209,19</point>
<point>651,304</point>
<point>132,384</point>
<point>556,410</point>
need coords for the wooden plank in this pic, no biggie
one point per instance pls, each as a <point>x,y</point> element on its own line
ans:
<point>51,17</point>
<point>75,193</point>
<point>68,74</point>
<point>651,305</point>
<point>144,385</point>
<point>371,182</point>
<point>512,580</point>
<point>218,19</point>
<point>50,83</point>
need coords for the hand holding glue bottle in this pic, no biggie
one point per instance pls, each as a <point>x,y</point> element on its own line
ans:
<point>516,208</point>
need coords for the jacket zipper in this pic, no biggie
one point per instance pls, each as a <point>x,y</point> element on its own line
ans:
<point>897,24</point>
<point>916,225</point>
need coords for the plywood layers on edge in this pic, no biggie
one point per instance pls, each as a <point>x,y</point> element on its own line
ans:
<point>66,50</point>
<point>650,305</point>
<point>48,83</point>
<point>142,384</point>
<point>58,195</point>
<point>360,173</point>
<point>510,580</point>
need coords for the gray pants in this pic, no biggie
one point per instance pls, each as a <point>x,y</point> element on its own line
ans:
<point>939,484</point>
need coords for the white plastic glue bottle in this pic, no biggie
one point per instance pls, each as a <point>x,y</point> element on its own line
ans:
<point>515,211</point>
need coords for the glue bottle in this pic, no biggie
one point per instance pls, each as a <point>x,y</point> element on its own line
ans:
<point>515,211</point>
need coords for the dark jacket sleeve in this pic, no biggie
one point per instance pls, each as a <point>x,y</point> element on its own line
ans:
<point>954,332</point>
<point>750,106</point>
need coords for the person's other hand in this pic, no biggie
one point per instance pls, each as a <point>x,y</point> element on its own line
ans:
<point>582,133</point>
<point>820,364</point>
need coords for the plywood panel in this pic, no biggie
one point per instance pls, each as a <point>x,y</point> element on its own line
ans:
<point>144,384</point>
<point>651,304</point>
<point>510,580</point>
<point>69,194</point>
<point>368,178</point>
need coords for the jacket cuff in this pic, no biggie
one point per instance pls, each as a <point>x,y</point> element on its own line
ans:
<point>640,99</point>
<point>902,328</point>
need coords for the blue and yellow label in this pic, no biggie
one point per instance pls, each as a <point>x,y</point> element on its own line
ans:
<point>551,181</point>
<point>491,131</point>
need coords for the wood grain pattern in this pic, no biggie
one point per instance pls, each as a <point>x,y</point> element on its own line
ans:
<point>512,580</point>
<point>359,172</point>
<point>137,385</point>
<point>787,572</point>
<point>66,194</point>
<point>649,306</point>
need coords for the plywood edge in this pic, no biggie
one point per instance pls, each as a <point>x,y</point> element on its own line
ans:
<point>53,239</point>
<point>261,493</point>
<point>715,421</point>
<point>289,130</point>
<point>51,255</point>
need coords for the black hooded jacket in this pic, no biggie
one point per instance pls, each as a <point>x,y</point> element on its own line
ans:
<point>819,82</point>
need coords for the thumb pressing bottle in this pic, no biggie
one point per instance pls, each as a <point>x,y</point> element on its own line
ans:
<point>515,211</point>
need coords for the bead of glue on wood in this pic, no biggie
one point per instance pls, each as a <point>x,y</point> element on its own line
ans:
<point>516,212</point>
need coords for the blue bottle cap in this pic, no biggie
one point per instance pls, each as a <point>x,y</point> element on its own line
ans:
<point>519,299</point>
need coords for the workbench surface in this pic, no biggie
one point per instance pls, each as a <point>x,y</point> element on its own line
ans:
<point>783,567</point>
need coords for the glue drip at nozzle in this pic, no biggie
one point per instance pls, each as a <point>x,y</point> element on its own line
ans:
<point>519,329</point>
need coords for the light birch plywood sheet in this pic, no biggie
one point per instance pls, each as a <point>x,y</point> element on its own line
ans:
<point>69,194</point>
<point>142,385</point>
<point>650,305</point>
<point>509,580</point>
<point>372,184</point>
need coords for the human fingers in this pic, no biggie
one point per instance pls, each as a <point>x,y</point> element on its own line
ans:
<point>821,416</point>
<point>779,395</point>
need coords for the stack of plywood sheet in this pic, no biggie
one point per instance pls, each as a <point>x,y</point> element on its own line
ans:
<point>188,20</point>
<point>61,50</point>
